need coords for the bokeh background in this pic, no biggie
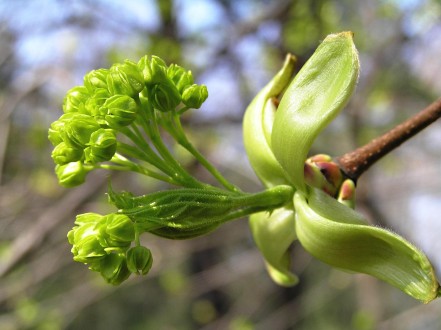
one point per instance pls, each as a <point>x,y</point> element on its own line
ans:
<point>234,47</point>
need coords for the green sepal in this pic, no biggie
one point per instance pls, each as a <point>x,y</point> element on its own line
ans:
<point>273,234</point>
<point>315,96</point>
<point>257,126</point>
<point>340,237</point>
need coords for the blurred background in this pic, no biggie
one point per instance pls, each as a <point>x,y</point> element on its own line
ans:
<point>234,47</point>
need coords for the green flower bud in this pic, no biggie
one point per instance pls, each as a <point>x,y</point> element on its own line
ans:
<point>165,97</point>
<point>181,78</point>
<point>118,231</point>
<point>125,79</point>
<point>113,268</point>
<point>194,95</point>
<point>88,250</point>
<point>257,127</point>
<point>96,79</point>
<point>76,99</point>
<point>95,102</point>
<point>63,154</point>
<point>78,129</point>
<point>56,130</point>
<point>102,146</point>
<point>71,174</point>
<point>139,260</point>
<point>315,96</point>
<point>342,238</point>
<point>120,111</point>
<point>154,70</point>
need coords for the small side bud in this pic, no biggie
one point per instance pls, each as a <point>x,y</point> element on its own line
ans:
<point>139,260</point>
<point>346,194</point>
<point>194,96</point>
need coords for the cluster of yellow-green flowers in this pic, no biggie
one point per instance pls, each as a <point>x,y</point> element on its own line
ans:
<point>110,101</point>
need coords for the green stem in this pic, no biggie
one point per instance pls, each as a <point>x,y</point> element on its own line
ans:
<point>149,123</point>
<point>129,165</point>
<point>173,123</point>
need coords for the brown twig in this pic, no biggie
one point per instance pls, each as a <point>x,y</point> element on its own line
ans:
<point>356,162</point>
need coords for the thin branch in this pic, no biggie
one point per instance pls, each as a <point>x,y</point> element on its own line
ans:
<point>356,162</point>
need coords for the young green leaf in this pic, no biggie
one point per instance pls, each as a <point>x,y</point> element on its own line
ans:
<point>315,96</point>
<point>257,126</point>
<point>274,233</point>
<point>338,236</point>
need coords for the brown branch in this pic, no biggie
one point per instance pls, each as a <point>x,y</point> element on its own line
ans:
<point>356,162</point>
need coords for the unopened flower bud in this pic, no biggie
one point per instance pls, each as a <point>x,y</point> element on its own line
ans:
<point>194,95</point>
<point>120,111</point>
<point>181,78</point>
<point>78,129</point>
<point>139,260</point>
<point>113,268</point>
<point>71,174</point>
<point>76,99</point>
<point>63,154</point>
<point>125,79</point>
<point>165,97</point>
<point>102,146</point>
<point>154,70</point>
<point>56,130</point>
<point>95,103</point>
<point>119,230</point>
<point>96,79</point>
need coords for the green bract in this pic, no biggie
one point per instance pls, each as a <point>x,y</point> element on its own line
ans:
<point>315,96</point>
